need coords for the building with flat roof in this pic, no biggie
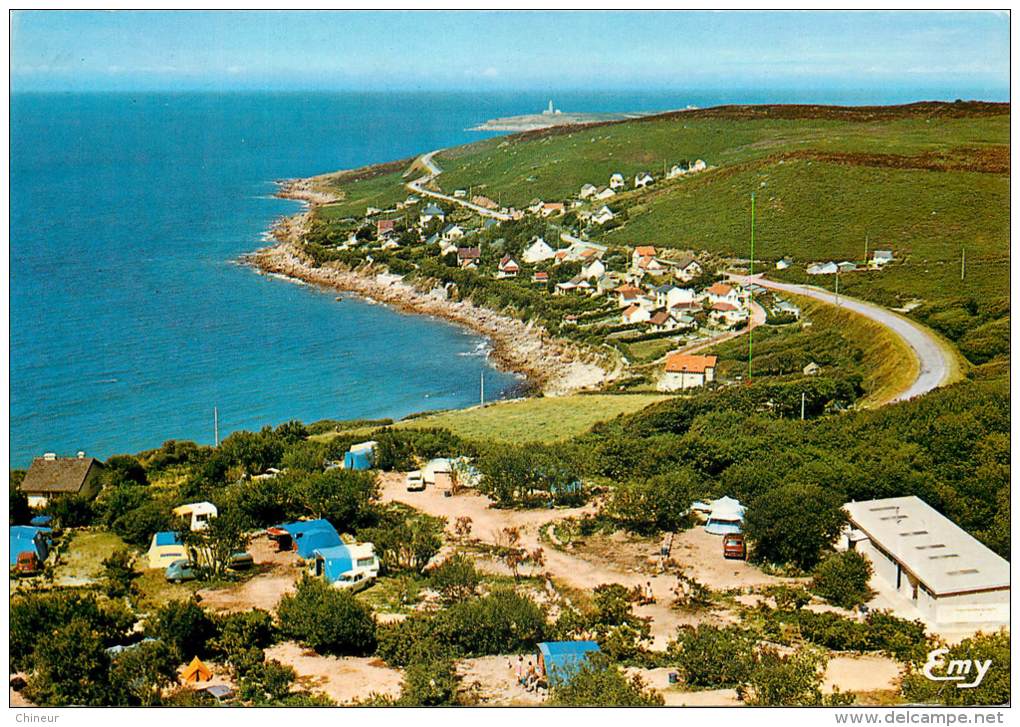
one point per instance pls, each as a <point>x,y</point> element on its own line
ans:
<point>922,556</point>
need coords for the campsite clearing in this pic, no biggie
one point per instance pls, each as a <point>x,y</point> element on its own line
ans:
<point>344,679</point>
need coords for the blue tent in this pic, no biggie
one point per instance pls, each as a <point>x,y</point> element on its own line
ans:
<point>41,521</point>
<point>726,516</point>
<point>359,460</point>
<point>28,539</point>
<point>560,659</point>
<point>310,535</point>
<point>335,561</point>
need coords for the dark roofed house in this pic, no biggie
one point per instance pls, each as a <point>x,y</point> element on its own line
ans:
<point>51,476</point>
<point>468,257</point>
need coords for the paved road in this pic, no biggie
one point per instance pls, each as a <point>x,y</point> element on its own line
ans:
<point>935,363</point>
<point>418,187</point>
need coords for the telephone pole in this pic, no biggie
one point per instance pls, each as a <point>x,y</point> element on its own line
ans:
<point>837,286</point>
<point>803,396</point>
<point>750,312</point>
<point>482,388</point>
<point>963,263</point>
<point>216,425</point>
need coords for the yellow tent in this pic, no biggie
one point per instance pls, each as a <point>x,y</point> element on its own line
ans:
<point>165,549</point>
<point>196,672</point>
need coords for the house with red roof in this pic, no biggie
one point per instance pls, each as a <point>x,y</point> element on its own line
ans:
<point>686,371</point>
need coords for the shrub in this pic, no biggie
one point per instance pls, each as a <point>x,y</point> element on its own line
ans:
<point>71,511</point>
<point>404,541</point>
<point>794,524</point>
<point>788,681</point>
<point>142,673</point>
<point>239,632</point>
<point>994,687</point>
<point>330,620</point>
<point>119,574</point>
<point>184,626</point>
<point>411,641</point>
<point>842,579</point>
<point>502,622</point>
<point>712,656</point>
<point>455,578</point>
<point>71,666</point>
<point>598,683</point>
<point>429,684</point>
<point>37,614</point>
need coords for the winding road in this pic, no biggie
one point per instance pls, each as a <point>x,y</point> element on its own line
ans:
<point>935,363</point>
<point>418,187</point>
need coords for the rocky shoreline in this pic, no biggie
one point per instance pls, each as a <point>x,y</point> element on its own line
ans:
<point>554,366</point>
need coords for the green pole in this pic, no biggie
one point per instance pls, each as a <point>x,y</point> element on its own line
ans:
<point>750,313</point>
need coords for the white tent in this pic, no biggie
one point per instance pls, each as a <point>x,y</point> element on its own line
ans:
<point>726,515</point>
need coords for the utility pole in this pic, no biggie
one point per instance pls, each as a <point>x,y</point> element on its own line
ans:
<point>837,286</point>
<point>803,396</point>
<point>483,387</point>
<point>865,248</point>
<point>216,425</point>
<point>750,312</point>
<point>963,263</point>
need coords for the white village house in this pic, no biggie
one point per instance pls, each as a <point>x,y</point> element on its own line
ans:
<point>643,179</point>
<point>686,269</point>
<point>617,181</point>
<point>538,251</point>
<point>921,557</point>
<point>605,194</point>
<point>603,216</point>
<point>587,190</point>
<point>687,371</point>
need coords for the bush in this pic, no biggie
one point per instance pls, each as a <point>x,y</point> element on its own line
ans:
<point>414,640</point>
<point>18,510</point>
<point>184,627</point>
<point>404,541</point>
<point>119,573</point>
<point>788,681</point>
<point>142,673</point>
<point>36,614</point>
<point>993,689</point>
<point>455,578</point>
<point>598,683</point>
<point>503,622</point>
<point>71,511</point>
<point>71,666</point>
<point>880,631</point>
<point>429,684</point>
<point>842,579</point>
<point>794,524</point>
<point>240,632</point>
<point>329,620</point>
<point>712,656</point>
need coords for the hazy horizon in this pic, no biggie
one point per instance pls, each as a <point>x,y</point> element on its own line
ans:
<point>932,55</point>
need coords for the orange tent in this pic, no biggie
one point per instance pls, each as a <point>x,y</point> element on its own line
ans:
<point>196,671</point>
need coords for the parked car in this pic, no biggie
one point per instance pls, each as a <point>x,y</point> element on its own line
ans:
<point>415,481</point>
<point>354,582</point>
<point>241,561</point>
<point>180,571</point>
<point>733,546</point>
<point>28,564</point>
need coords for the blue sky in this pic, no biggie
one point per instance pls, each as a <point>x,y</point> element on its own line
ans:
<point>946,54</point>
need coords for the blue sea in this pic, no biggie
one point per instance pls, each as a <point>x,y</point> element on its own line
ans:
<point>130,317</point>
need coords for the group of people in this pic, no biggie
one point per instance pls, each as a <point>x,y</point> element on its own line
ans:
<point>527,676</point>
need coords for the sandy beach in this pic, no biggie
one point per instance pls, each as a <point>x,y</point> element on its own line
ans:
<point>554,366</point>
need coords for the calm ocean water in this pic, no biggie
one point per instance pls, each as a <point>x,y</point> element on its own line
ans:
<point>130,319</point>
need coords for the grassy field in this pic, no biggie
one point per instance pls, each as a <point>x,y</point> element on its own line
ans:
<point>82,561</point>
<point>381,191</point>
<point>554,165</point>
<point>534,420</point>
<point>836,339</point>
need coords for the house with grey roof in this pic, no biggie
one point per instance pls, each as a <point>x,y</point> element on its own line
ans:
<point>924,560</point>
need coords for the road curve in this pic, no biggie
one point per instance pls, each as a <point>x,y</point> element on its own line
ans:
<point>935,362</point>
<point>418,187</point>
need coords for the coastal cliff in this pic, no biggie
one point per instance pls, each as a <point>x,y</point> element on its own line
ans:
<point>554,366</point>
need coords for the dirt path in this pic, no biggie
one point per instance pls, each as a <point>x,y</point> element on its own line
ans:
<point>699,553</point>
<point>277,574</point>
<point>344,679</point>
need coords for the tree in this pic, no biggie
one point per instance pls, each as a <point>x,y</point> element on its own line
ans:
<point>842,579</point>
<point>71,511</point>
<point>140,674</point>
<point>429,684</point>
<point>329,620</point>
<point>788,681</point>
<point>405,542</point>
<point>238,632</point>
<point>713,656</point>
<point>794,524</point>
<point>217,542</point>
<point>503,622</point>
<point>994,687</point>
<point>267,682</point>
<point>184,627</point>
<point>339,495</point>
<point>598,683</point>
<point>137,526</point>
<point>119,573</point>
<point>126,467</point>
<point>71,666</point>
<point>455,578</point>
<point>18,510</point>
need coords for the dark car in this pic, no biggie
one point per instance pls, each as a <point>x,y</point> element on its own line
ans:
<point>733,546</point>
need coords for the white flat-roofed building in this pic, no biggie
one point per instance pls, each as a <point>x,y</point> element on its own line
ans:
<point>920,555</point>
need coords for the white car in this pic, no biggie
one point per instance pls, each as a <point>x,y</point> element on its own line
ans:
<point>354,581</point>
<point>415,482</point>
